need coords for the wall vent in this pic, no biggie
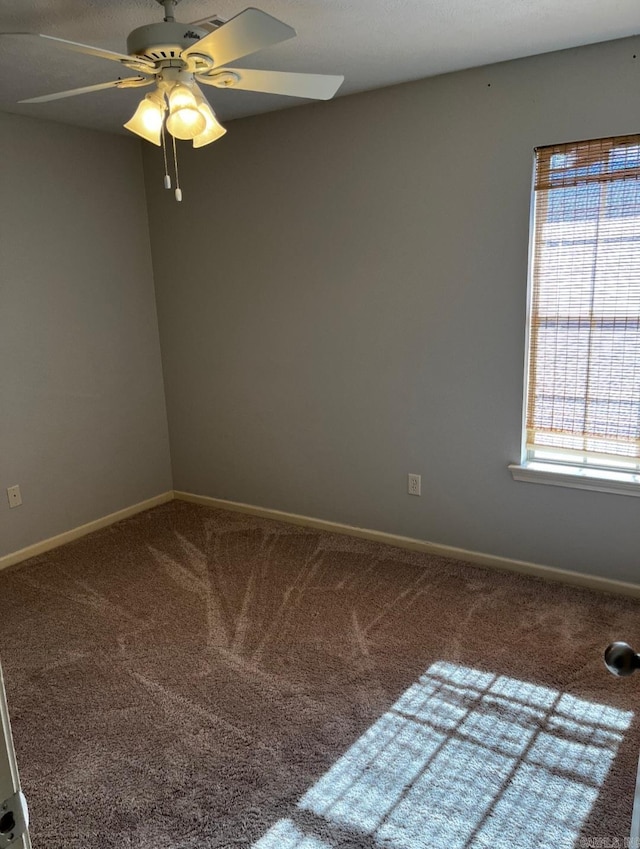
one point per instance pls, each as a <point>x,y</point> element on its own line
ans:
<point>212,23</point>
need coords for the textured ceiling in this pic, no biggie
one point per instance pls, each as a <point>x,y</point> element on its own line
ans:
<point>372,42</point>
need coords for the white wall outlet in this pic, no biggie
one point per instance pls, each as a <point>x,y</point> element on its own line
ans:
<point>415,485</point>
<point>13,494</point>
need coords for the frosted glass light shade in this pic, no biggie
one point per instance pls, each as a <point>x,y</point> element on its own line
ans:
<point>185,120</point>
<point>185,123</point>
<point>213,128</point>
<point>181,97</point>
<point>147,120</point>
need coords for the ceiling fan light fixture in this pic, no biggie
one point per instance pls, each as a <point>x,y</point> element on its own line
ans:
<point>213,128</point>
<point>173,56</point>
<point>148,118</point>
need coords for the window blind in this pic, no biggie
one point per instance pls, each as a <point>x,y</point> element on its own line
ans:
<point>584,335</point>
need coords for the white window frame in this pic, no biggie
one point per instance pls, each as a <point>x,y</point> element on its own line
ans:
<point>557,468</point>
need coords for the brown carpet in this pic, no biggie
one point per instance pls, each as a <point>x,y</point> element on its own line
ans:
<point>197,678</point>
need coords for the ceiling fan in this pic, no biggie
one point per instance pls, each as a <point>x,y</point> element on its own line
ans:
<point>175,58</point>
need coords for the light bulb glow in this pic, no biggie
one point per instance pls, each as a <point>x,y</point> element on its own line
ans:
<point>147,119</point>
<point>186,123</point>
<point>185,120</point>
<point>181,97</point>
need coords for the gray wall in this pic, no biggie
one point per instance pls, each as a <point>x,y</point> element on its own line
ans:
<point>342,301</point>
<point>82,413</point>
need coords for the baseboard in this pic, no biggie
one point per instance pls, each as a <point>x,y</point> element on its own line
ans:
<point>82,530</point>
<point>504,564</point>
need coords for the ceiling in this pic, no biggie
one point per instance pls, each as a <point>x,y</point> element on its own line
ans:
<point>373,43</point>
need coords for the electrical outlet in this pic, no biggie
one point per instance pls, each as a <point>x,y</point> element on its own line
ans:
<point>13,494</point>
<point>415,485</point>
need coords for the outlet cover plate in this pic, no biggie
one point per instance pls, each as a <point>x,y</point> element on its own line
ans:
<point>414,486</point>
<point>14,496</point>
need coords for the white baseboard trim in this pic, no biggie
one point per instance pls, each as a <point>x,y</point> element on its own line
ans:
<point>82,530</point>
<point>505,564</point>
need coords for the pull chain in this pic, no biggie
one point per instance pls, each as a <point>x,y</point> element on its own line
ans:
<point>167,178</point>
<point>175,168</point>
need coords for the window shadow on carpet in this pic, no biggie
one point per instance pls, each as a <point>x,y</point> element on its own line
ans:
<point>464,759</point>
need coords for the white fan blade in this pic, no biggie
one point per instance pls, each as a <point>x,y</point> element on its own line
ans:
<point>248,32</point>
<point>123,58</point>
<point>311,86</point>
<point>58,95</point>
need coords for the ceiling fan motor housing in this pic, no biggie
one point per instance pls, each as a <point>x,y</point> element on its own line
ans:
<point>164,40</point>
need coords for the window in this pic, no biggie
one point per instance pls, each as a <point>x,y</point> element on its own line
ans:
<point>582,405</point>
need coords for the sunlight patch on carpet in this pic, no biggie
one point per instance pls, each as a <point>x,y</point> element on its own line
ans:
<point>464,759</point>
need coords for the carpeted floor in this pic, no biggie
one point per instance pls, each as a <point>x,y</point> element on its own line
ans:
<point>197,678</point>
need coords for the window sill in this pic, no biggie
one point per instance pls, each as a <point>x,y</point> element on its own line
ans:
<point>577,477</point>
